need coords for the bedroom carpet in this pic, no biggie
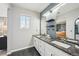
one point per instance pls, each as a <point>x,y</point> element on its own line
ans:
<point>26,52</point>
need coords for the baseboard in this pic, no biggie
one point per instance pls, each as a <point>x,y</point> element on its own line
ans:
<point>19,49</point>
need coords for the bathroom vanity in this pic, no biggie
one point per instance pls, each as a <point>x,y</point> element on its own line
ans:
<point>46,47</point>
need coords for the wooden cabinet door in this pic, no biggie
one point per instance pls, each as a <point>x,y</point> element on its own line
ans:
<point>48,51</point>
<point>58,52</point>
<point>41,47</point>
<point>36,43</point>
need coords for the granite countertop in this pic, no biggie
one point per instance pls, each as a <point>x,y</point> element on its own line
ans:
<point>71,50</point>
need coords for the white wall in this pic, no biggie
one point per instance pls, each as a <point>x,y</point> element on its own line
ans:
<point>3,9</point>
<point>52,15</point>
<point>61,19</point>
<point>20,38</point>
<point>69,17</point>
<point>43,25</point>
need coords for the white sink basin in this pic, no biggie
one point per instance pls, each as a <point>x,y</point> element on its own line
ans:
<point>76,46</point>
<point>38,36</point>
<point>72,41</point>
<point>61,44</point>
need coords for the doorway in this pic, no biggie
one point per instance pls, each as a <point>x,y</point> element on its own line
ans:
<point>3,35</point>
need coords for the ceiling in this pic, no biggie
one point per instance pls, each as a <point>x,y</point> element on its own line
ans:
<point>63,8</point>
<point>68,7</point>
<point>37,7</point>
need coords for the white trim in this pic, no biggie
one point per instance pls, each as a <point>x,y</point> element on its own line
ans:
<point>18,49</point>
<point>8,53</point>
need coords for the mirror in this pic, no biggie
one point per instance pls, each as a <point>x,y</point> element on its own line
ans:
<point>77,29</point>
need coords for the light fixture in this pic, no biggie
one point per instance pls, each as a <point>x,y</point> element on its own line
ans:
<point>50,11</point>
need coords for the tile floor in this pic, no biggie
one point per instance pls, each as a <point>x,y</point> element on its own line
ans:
<point>26,52</point>
<point>3,52</point>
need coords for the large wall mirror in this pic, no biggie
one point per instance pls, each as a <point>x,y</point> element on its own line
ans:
<point>77,29</point>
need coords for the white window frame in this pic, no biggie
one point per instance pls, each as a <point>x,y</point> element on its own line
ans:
<point>26,24</point>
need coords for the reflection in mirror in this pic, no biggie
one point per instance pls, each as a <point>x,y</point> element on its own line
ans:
<point>61,31</point>
<point>77,29</point>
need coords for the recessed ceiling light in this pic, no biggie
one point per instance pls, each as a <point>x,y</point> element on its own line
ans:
<point>58,12</point>
<point>50,11</point>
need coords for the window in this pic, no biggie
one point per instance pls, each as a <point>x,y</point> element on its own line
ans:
<point>24,22</point>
